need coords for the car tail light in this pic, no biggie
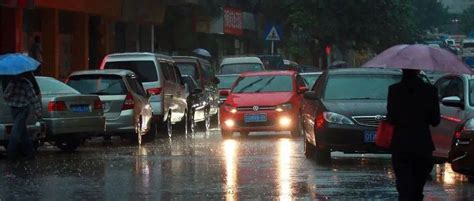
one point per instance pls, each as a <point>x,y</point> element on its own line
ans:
<point>129,103</point>
<point>224,92</point>
<point>320,120</point>
<point>97,104</point>
<point>54,106</point>
<point>154,91</point>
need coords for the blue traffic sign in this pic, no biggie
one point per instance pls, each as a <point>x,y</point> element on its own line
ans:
<point>273,32</point>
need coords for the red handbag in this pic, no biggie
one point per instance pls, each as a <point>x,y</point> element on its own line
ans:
<point>383,137</point>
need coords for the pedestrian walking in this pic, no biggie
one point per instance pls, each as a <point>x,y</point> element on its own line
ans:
<point>20,93</point>
<point>412,107</point>
<point>36,51</point>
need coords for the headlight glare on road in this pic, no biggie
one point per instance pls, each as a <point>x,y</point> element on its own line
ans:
<point>285,122</point>
<point>332,117</point>
<point>229,123</point>
<point>284,107</point>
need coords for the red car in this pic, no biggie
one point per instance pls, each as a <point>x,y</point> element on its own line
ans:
<point>264,101</point>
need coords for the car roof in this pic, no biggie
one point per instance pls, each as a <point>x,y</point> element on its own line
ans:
<point>189,59</point>
<point>104,72</point>
<point>269,73</point>
<point>233,60</point>
<point>363,71</point>
<point>126,56</point>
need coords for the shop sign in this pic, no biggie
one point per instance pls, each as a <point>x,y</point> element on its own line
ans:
<point>17,3</point>
<point>233,21</point>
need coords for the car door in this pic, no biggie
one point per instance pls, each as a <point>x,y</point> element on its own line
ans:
<point>179,93</point>
<point>451,117</point>
<point>140,98</point>
<point>309,108</point>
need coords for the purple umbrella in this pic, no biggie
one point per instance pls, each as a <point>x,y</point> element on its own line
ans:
<point>419,57</point>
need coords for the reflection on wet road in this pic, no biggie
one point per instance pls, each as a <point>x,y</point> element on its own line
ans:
<point>206,167</point>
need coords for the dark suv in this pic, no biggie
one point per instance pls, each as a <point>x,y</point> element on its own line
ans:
<point>202,71</point>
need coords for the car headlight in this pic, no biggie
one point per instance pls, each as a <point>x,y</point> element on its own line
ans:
<point>284,107</point>
<point>469,125</point>
<point>332,117</point>
<point>230,108</point>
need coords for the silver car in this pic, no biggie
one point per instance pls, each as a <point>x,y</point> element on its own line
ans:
<point>162,79</point>
<point>125,102</point>
<point>70,117</point>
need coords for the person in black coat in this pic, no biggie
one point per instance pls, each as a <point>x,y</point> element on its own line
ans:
<point>412,106</point>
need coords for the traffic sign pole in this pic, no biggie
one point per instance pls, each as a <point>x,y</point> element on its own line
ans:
<point>273,47</point>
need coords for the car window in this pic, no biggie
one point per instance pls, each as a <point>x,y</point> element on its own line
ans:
<point>356,87</point>
<point>471,92</point>
<point>240,68</point>
<point>177,74</point>
<point>442,86</point>
<point>144,70</point>
<point>136,86</point>
<point>191,83</point>
<point>455,88</point>
<point>300,81</point>
<point>267,83</point>
<point>167,72</point>
<point>188,69</point>
<point>468,45</point>
<point>310,79</point>
<point>98,84</point>
<point>50,86</point>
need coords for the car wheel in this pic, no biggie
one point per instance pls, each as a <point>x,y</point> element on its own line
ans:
<point>152,132</point>
<point>298,131</point>
<point>322,155</point>
<point>169,126</point>
<point>244,134</point>
<point>309,149</point>
<point>226,134</point>
<point>69,144</point>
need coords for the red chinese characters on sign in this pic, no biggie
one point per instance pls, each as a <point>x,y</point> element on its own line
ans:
<point>233,23</point>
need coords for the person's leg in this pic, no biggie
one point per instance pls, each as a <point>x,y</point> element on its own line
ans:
<point>26,143</point>
<point>402,166</point>
<point>15,136</point>
<point>423,167</point>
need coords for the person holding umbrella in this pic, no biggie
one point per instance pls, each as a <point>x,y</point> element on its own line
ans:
<point>20,92</point>
<point>412,107</point>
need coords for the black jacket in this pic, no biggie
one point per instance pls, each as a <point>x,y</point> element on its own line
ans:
<point>412,107</point>
<point>28,75</point>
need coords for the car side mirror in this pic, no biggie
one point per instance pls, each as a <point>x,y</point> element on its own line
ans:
<point>224,92</point>
<point>311,95</point>
<point>302,89</point>
<point>453,101</point>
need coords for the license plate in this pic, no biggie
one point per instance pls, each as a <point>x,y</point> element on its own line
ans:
<point>80,108</point>
<point>369,136</point>
<point>255,118</point>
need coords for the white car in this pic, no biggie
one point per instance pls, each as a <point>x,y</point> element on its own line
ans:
<point>238,65</point>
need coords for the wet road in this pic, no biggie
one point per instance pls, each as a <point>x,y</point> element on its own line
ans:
<point>206,167</point>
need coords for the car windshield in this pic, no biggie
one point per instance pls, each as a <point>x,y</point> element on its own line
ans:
<point>49,86</point>
<point>359,87</point>
<point>144,70</point>
<point>310,79</point>
<point>226,82</point>
<point>266,83</point>
<point>471,92</point>
<point>188,69</point>
<point>98,84</point>
<point>191,83</point>
<point>240,68</point>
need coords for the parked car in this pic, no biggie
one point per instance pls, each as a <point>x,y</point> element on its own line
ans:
<point>467,47</point>
<point>203,73</point>
<point>126,106</point>
<point>453,136</point>
<point>162,80</point>
<point>343,109</point>
<point>69,116</point>
<point>264,101</point>
<point>291,65</point>
<point>198,103</point>
<point>238,65</point>
<point>36,128</point>
<point>225,83</point>
<point>310,78</point>
<point>272,62</point>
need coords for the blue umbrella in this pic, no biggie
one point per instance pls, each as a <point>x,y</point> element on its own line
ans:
<point>202,52</point>
<point>14,64</point>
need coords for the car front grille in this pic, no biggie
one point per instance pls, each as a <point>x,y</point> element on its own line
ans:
<point>260,108</point>
<point>372,121</point>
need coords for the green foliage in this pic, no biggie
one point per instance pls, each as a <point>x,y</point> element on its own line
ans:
<point>467,20</point>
